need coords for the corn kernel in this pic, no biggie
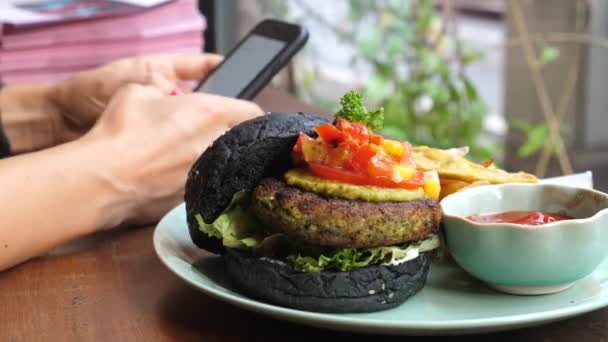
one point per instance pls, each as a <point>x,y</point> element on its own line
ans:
<point>432,187</point>
<point>394,148</point>
<point>405,172</point>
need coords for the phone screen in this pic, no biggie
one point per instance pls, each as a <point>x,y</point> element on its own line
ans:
<point>242,66</point>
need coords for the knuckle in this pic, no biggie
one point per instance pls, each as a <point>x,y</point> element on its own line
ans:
<point>214,118</point>
<point>146,67</point>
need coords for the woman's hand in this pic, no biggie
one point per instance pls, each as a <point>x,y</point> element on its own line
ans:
<point>130,168</point>
<point>83,97</point>
<point>43,115</point>
<point>154,139</point>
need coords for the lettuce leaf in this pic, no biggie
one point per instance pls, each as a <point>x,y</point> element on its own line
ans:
<point>347,259</point>
<point>238,228</point>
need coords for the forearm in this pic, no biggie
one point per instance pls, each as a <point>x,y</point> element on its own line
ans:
<point>54,196</point>
<point>29,117</point>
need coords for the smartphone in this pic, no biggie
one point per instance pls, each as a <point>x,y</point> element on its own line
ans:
<point>252,63</point>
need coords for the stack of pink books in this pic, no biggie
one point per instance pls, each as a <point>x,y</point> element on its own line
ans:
<point>53,51</point>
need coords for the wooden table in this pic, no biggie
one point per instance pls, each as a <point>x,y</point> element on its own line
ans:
<point>112,287</point>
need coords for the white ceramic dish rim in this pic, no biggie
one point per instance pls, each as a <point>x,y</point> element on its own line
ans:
<point>464,193</point>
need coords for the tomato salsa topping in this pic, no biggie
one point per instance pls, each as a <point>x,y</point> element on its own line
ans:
<point>350,152</point>
<point>531,218</point>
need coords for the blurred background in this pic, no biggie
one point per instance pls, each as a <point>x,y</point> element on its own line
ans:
<point>518,81</point>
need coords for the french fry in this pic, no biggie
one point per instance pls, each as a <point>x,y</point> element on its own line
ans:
<point>450,186</point>
<point>451,164</point>
<point>456,173</point>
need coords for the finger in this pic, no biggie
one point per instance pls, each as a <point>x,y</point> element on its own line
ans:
<point>135,90</point>
<point>233,110</point>
<point>195,67</point>
<point>166,86</point>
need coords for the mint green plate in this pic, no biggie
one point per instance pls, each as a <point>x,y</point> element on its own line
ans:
<point>452,302</point>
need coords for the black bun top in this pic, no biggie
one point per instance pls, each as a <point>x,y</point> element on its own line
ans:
<point>239,159</point>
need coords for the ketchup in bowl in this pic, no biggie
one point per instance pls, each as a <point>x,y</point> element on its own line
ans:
<point>531,218</point>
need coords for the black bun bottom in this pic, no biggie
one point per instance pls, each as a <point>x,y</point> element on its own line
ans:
<point>367,289</point>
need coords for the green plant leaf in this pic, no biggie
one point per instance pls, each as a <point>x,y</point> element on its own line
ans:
<point>385,18</point>
<point>430,88</point>
<point>358,9</point>
<point>403,30</point>
<point>371,43</point>
<point>454,94</point>
<point>547,54</point>
<point>470,56</point>
<point>308,79</point>
<point>443,95</point>
<point>377,88</point>
<point>431,61</point>
<point>395,46</point>
<point>400,6</point>
<point>522,125</point>
<point>470,89</point>
<point>536,139</point>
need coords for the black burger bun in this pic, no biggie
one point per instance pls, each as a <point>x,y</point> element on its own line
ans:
<point>238,160</point>
<point>368,289</point>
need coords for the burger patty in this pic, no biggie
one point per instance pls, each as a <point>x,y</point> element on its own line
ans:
<point>338,222</point>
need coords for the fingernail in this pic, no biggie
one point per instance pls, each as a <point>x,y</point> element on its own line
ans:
<point>175,92</point>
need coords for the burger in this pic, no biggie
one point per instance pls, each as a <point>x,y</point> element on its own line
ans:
<point>314,214</point>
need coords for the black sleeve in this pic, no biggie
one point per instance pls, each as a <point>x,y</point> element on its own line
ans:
<point>4,145</point>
